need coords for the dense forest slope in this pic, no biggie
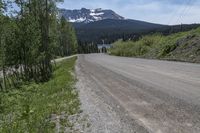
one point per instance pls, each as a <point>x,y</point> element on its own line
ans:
<point>112,29</point>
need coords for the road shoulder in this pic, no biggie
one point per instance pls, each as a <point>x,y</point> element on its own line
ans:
<point>104,115</point>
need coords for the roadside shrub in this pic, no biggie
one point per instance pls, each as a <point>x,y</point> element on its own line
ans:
<point>147,41</point>
<point>158,46</point>
<point>167,49</point>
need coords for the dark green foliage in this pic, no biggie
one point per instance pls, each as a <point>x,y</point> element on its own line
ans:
<point>167,49</point>
<point>31,40</point>
<point>31,88</point>
<point>87,48</point>
<point>111,30</point>
<point>67,38</point>
<point>1,7</point>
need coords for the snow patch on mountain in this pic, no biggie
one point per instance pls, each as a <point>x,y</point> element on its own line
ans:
<point>96,14</point>
<point>88,15</point>
<point>77,20</point>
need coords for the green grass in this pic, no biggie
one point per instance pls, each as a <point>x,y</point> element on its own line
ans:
<point>157,46</point>
<point>30,108</point>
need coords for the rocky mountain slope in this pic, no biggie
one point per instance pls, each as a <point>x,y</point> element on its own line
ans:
<point>88,15</point>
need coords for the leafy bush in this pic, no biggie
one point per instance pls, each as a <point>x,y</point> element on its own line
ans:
<point>167,49</point>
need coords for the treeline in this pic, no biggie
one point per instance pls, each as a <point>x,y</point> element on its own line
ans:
<point>30,40</point>
<point>87,48</point>
<point>110,35</point>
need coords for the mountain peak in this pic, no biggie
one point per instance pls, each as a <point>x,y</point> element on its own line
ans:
<point>84,15</point>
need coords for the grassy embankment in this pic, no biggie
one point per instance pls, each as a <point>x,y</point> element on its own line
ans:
<point>32,107</point>
<point>183,46</point>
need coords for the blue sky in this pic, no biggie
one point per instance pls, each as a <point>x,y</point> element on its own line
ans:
<point>157,11</point>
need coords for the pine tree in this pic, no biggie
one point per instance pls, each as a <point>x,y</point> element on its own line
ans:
<point>67,38</point>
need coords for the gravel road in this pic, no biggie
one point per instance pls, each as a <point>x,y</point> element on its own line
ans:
<point>125,95</point>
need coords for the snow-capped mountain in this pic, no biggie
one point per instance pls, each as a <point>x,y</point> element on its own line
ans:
<point>87,15</point>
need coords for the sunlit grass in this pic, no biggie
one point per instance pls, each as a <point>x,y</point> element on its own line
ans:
<point>151,46</point>
<point>30,108</point>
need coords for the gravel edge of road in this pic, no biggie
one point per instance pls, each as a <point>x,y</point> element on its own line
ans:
<point>104,115</point>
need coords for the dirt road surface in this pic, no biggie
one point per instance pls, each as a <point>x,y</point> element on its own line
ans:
<point>125,95</point>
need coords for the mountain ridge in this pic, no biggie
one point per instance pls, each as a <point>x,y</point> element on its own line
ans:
<point>111,26</point>
<point>84,15</point>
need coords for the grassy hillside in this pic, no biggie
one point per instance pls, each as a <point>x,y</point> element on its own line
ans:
<point>183,46</point>
<point>37,108</point>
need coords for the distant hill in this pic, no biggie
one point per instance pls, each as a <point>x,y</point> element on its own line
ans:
<point>126,24</point>
<point>112,29</point>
